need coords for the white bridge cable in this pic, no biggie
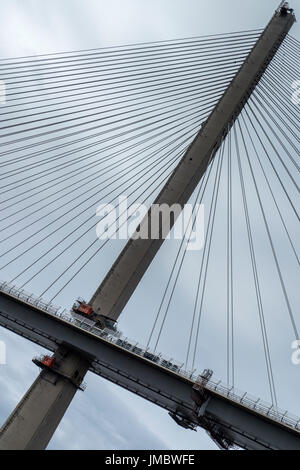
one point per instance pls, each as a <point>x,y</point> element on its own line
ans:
<point>285,136</point>
<point>230,293</point>
<point>75,148</point>
<point>275,104</point>
<point>110,101</point>
<point>269,235</point>
<point>280,105</point>
<point>182,251</point>
<point>194,96</point>
<point>103,244</point>
<point>150,47</point>
<point>207,252</point>
<point>213,83</point>
<point>207,60</point>
<point>112,90</point>
<point>162,73</point>
<point>89,198</point>
<point>258,158</point>
<point>254,266</point>
<point>278,130</point>
<point>91,217</point>
<point>88,230</point>
<point>230,54</point>
<point>248,107</point>
<point>167,113</point>
<point>93,177</point>
<point>80,124</point>
<point>183,247</point>
<point>98,163</point>
<point>72,173</point>
<point>81,90</point>
<point>286,56</point>
<point>284,105</point>
<point>122,161</point>
<point>277,72</point>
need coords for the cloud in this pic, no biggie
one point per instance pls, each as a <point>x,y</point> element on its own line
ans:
<point>105,416</point>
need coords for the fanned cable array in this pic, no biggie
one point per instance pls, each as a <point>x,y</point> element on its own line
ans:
<point>84,128</point>
<point>254,186</point>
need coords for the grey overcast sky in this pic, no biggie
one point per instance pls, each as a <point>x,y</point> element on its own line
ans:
<point>104,416</point>
<point>35,27</point>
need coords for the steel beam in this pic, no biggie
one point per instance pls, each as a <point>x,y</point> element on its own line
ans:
<point>245,427</point>
<point>117,287</point>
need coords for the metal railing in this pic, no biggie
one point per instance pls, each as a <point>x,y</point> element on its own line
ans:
<point>253,403</point>
<point>116,338</point>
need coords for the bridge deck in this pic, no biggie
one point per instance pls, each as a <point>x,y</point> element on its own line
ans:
<point>246,422</point>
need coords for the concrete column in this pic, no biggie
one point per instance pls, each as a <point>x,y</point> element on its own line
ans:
<point>36,417</point>
<point>121,281</point>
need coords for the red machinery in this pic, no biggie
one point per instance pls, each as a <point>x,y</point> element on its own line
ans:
<point>83,309</point>
<point>48,361</point>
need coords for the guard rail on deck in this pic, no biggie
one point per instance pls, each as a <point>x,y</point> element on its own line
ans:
<point>233,394</point>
